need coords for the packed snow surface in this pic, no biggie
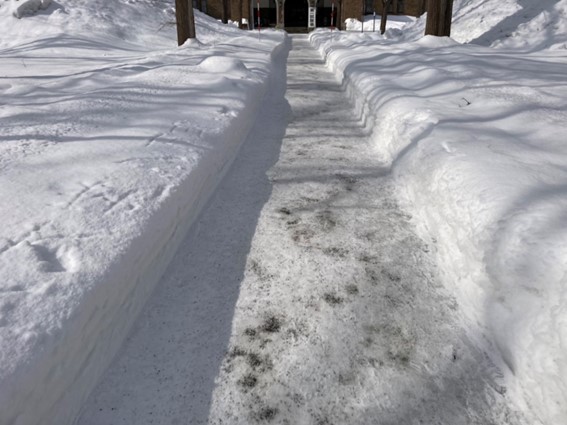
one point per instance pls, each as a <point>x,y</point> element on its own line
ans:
<point>476,141</point>
<point>111,140</point>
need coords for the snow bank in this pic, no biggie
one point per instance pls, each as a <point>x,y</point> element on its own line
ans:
<point>476,142</point>
<point>519,24</point>
<point>372,23</point>
<point>111,142</point>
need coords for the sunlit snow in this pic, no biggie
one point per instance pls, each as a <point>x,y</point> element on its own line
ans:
<point>390,240</point>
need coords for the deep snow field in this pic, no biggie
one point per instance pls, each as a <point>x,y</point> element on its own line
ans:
<point>112,139</point>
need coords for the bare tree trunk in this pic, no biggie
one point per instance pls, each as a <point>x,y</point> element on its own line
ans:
<point>362,10</point>
<point>432,23</point>
<point>448,18</point>
<point>439,16</point>
<point>225,11</point>
<point>191,16</point>
<point>384,17</point>
<point>200,5</point>
<point>236,11</point>
<point>182,18</point>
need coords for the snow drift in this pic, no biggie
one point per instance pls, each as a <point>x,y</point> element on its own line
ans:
<point>111,140</point>
<point>476,141</point>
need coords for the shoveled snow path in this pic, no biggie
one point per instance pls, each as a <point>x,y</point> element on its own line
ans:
<point>303,295</point>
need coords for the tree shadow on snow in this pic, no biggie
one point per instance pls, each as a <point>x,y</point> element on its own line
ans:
<point>528,12</point>
<point>166,371</point>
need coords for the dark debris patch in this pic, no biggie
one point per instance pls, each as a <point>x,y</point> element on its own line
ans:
<point>351,289</point>
<point>267,413</point>
<point>332,299</point>
<point>254,360</point>
<point>236,352</point>
<point>248,381</point>
<point>293,222</point>
<point>272,324</point>
<point>250,332</point>
<point>336,252</point>
<point>365,258</point>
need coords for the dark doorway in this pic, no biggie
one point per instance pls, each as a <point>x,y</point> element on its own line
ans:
<point>295,13</point>
<point>324,17</point>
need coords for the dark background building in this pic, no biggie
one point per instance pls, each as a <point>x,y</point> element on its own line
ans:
<point>294,13</point>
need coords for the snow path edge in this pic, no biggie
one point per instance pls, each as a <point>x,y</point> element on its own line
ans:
<point>51,387</point>
<point>474,217</point>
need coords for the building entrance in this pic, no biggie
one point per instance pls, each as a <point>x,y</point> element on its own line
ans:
<point>295,13</point>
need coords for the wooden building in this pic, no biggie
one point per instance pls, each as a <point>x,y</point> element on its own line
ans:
<point>305,14</point>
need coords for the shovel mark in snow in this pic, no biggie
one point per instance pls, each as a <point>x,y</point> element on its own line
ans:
<point>117,200</point>
<point>54,259</point>
<point>47,259</point>
<point>85,190</point>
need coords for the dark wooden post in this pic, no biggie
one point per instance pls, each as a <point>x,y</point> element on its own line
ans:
<point>448,17</point>
<point>432,23</point>
<point>225,11</point>
<point>185,20</point>
<point>362,15</point>
<point>191,18</point>
<point>439,16</point>
<point>182,18</point>
<point>384,17</point>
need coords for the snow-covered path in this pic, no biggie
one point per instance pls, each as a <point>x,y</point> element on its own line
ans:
<point>302,295</point>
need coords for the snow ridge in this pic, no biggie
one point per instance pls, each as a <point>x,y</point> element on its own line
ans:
<point>475,139</point>
<point>112,142</point>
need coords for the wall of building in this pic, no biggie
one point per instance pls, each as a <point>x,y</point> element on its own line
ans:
<point>214,8</point>
<point>348,8</point>
<point>401,7</point>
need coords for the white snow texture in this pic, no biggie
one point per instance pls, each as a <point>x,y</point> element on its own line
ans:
<point>112,139</point>
<point>476,141</point>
